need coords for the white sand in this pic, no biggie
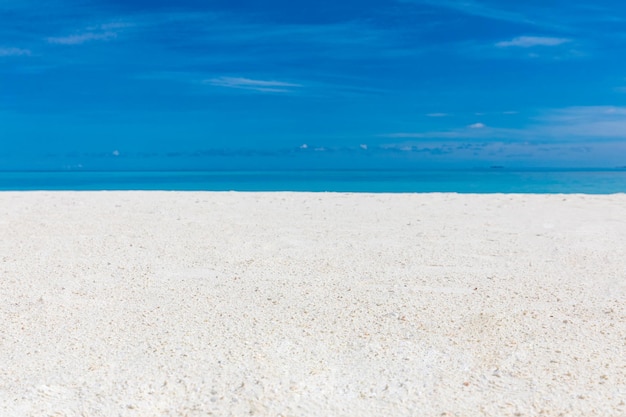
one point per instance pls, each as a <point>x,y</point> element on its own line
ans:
<point>299,304</point>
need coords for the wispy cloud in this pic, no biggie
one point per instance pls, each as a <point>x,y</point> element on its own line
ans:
<point>515,153</point>
<point>584,124</point>
<point>589,122</point>
<point>527,47</point>
<point>111,26</point>
<point>263,86</point>
<point>463,133</point>
<point>572,17</point>
<point>100,32</point>
<point>81,38</point>
<point>14,52</point>
<point>473,131</point>
<point>478,9</point>
<point>306,85</point>
<point>437,114</point>
<point>530,41</point>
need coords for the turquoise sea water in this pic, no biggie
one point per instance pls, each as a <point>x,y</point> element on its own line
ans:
<point>460,181</point>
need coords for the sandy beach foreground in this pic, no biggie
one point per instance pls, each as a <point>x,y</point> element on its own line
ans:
<point>304,304</point>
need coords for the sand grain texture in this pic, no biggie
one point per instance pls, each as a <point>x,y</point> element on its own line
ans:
<point>312,304</point>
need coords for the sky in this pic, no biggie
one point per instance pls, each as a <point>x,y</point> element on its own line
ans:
<point>341,84</point>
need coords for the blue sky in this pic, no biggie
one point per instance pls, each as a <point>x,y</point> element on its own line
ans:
<point>193,84</point>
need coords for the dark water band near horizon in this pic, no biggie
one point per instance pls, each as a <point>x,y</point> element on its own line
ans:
<point>481,181</point>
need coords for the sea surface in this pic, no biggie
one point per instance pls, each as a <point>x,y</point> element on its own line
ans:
<point>460,181</point>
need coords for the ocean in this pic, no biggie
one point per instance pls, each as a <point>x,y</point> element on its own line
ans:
<point>481,181</point>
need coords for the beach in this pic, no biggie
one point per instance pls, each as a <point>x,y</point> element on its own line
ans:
<point>312,304</point>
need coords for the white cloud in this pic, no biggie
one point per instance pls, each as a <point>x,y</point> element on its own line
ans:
<point>445,134</point>
<point>581,125</point>
<point>609,110</point>
<point>110,26</point>
<point>14,52</point>
<point>499,152</point>
<point>591,122</point>
<point>400,135</point>
<point>530,41</point>
<point>234,81</point>
<point>437,114</point>
<point>82,38</point>
<point>363,146</point>
<point>100,32</point>
<point>265,86</point>
<point>584,114</point>
<point>474,8</point>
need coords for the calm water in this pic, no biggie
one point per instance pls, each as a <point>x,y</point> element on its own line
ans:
<point>467,181</point>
